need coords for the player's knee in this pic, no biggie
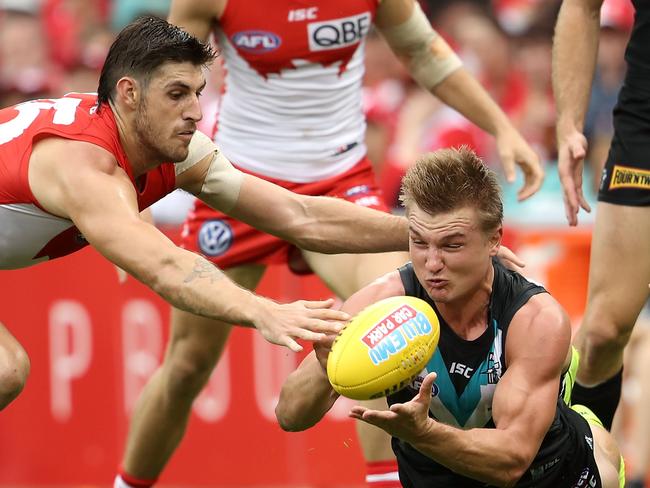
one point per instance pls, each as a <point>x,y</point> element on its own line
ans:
<point>609,323</point>
<point>615,336</point>
<point>13,375</point>
<point>188,374</point>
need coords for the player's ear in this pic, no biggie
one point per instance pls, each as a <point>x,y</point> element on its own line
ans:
<point>494,240</point>
<point>128,91</point>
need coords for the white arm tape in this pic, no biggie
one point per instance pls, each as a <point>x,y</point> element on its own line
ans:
<point>200,146</point>
<point>430,59</point>
<point>222,181</point>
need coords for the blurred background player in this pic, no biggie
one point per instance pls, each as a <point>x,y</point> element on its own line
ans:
<point>291,113</point>
<point>619,266</point>
<point>495,417</point>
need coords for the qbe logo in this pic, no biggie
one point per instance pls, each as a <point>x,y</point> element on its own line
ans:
<point>215,237</point>
<point>338,33</point>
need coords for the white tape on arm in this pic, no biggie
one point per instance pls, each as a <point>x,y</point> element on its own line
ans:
<point>222,183</point>
<point>430,59</point>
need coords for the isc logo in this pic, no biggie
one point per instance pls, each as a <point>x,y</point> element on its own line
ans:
<point>256,41</point>
<point>338,33</point>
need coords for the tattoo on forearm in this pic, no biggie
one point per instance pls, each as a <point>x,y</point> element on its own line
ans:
<point>203,269</point>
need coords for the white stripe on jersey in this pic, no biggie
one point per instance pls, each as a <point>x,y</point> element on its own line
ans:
<point>26,229</point>
<point>293,126</point>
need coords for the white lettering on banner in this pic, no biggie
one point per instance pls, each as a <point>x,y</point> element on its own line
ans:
<point>142,345</point>
<point>70,340</point>
<point>272,364</point>
<point>213,402</point>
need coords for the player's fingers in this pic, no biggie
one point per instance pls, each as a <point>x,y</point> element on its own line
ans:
<point>329,314</point>
<point>317,303</point>
<point>357,412</point>
<point>583,202</point>
<point>508,164</point>
<point>290,343</point>
<point>506,254</point>
<point>533,177</point>
<point>322,326</point>
<point>570,198</point>
<point>577,149</point>
<point>309,335</point>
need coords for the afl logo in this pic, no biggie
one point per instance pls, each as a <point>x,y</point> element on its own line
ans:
<point>215,237</point>
<point>256,42</point>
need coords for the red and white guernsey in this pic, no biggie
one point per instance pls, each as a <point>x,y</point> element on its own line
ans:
<point>28,234</point>
<point>291,109</point>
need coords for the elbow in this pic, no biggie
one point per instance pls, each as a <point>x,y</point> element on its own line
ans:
<point>288,419</point>
<point>518,466</point>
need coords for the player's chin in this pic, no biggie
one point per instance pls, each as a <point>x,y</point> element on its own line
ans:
<point>178,153</point>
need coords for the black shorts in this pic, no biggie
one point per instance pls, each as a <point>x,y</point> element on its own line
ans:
<point>626,177</point>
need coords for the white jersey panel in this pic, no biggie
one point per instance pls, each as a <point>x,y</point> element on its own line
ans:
<point>303,125</point>
<point>26,230</point>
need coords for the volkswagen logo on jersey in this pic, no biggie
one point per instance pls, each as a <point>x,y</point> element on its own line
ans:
<point>256,42</point>
<point>215,237</point>
<point>338,33</point>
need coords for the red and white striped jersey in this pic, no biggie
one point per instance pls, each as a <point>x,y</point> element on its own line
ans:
<point>291,108</point>
<point>29,234</point>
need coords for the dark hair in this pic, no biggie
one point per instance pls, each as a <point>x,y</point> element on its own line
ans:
<point>450,179</point>
<point>142,46</point>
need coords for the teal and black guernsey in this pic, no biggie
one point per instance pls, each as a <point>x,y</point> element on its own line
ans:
<point>468,372</point>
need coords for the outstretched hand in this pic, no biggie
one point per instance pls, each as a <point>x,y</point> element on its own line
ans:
<point>407,421</point>
<point>311,321</point>
<point>510,260</point>
<point>572,150</point>
<point>514,150</point>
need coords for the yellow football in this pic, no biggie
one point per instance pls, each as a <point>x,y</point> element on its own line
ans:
<point>383,348</point>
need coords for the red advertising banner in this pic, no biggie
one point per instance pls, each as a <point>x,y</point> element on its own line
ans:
<point>93,343</point>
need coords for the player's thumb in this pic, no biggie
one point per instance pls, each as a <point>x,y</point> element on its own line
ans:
<point>425,388</point>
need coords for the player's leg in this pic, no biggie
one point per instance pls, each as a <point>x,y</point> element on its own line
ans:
<point>344,274</point>
<point>163,409</point>
<point>607,455</point>
<point>608,458</point>
<point>618,288</point>
<point>14,367</point>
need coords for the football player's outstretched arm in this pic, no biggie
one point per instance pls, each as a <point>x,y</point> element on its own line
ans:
<point>82,182</point>
<point>523,406</point>
<point>307,395</point>
<point>321,224</point>
<point>574,64</point>
<point>435,66</point>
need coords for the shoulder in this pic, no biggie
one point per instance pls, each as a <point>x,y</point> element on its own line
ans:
<point>389,285</point>
<point>540,327</point>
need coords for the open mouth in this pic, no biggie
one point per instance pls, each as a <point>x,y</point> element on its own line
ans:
<point>437,283</point>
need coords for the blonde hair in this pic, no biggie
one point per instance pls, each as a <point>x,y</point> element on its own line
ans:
<point>449,179</point>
